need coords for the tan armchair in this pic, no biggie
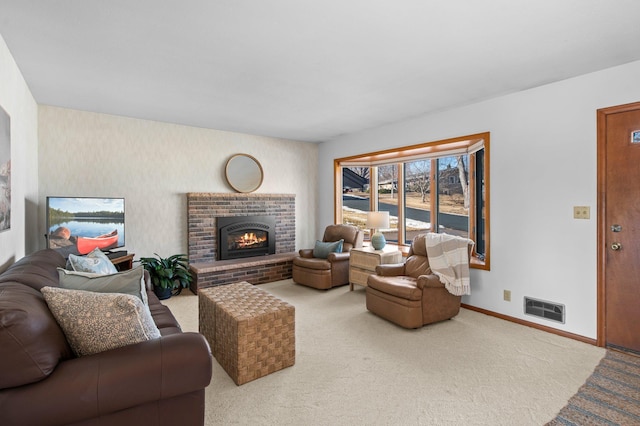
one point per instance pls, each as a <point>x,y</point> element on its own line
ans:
<point>409,294</point>
<point>333,271</point>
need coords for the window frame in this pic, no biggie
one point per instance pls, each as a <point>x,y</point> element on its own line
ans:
<point>429,150</point>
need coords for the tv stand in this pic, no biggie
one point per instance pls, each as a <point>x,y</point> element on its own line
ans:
<point>115,253</point>
<point>122,263</point>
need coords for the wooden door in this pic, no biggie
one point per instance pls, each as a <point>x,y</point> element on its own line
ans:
<point>619,227</point>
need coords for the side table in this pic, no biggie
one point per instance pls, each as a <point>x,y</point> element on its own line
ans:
<point>123,263</point>
<point>363,262</point>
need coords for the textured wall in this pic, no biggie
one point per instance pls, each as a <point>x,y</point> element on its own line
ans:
<point>17,101</point>
<point>154,165</point>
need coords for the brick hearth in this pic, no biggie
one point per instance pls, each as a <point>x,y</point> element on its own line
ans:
<point>255,270</point>
<point>203,211</point>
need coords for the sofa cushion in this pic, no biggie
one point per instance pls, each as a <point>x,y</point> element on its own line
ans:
<point>31,342</point>
<point>400,286</point>
<point>162,316</point>
<point>96,261</point>
<point>312,263</point>
<point>96,322</point>
<point>36,270</point>
<point>127,282</point>
<point>419,245</point>
<point>415,266</point>
<point>322,249</point>
<point>349,233</point>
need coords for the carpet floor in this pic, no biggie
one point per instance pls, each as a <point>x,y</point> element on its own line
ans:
<point>354,368</point>
<point>611,395</point>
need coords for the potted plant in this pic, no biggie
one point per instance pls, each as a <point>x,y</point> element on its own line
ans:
<point>168,275</point>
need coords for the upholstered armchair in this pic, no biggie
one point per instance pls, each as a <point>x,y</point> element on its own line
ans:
<point>410,294</point>
<point>327,268</point>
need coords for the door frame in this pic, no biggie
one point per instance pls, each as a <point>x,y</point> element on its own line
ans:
<point>602,115</point>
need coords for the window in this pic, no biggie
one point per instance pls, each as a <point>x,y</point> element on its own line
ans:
<point>452,186</point>
<point>355,200</point>
<point>388,199</point>
<point>417,198</point>
<point>438,186</point>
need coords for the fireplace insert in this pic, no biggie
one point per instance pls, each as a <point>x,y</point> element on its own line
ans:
<point>246,236</point>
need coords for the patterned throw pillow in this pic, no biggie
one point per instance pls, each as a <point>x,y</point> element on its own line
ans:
<point>96,262</point>
<point>322,250</point>
<point>127,282</point>
<point>97,322</point>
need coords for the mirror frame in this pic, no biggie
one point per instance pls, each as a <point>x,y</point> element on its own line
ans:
<point>244,173</point>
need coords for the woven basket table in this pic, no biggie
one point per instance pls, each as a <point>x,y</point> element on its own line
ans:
<point>251,332</point>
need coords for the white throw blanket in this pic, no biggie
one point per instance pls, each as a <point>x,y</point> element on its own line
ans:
<point>449,260</point>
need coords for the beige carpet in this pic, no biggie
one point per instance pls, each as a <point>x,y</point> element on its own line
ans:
<point>354,368</point>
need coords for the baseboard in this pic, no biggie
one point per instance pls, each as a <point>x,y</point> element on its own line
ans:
<point>532,325</point>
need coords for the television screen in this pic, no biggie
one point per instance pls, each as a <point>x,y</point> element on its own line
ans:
<point>79,225</point>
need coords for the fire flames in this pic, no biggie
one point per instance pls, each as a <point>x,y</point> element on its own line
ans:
<point>249,239</point>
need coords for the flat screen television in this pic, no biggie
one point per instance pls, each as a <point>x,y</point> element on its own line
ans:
<point>77,225</point>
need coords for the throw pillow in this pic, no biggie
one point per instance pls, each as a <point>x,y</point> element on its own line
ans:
<point>127,282</point>
<point>96,261</point>
<point>322,249</point>
<point>97,322</point>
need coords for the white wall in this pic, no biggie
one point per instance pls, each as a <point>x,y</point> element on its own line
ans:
<point>17,101</point>
<point>543,162</point>
<point>153,165</point>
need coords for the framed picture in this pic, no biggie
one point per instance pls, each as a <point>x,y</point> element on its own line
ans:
<point>5,170</point>
<point>635,136</point>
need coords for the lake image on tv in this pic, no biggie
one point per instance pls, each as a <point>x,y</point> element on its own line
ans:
<point>90,228</point>
<point>79,225</point>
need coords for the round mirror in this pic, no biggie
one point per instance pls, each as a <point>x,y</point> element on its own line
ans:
<point>244,173</point>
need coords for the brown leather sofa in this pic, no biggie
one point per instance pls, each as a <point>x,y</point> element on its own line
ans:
<point>334,270</point>
<point>409,294</point>
<point>156,382</point>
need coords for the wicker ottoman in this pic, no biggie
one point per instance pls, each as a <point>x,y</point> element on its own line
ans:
<point>251,332</point>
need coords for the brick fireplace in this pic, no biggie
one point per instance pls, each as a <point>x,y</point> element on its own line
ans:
<point>245,236</point>
<point>203,211</point>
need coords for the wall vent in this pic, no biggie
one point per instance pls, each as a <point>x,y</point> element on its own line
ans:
<point>548,310</point>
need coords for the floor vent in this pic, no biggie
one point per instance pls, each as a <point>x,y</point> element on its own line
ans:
<point>540,308</point>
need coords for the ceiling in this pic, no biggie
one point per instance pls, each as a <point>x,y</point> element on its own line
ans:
<point>307,70</point>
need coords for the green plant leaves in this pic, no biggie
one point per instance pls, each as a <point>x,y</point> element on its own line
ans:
<point>170,272</point>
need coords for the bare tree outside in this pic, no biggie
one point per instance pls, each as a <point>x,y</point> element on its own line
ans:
<point>418,177</point>
<point>464,180</point>
<point>388,179</point>
<point>437,192</point>
<point>452,195</point>
<point>361,171</point>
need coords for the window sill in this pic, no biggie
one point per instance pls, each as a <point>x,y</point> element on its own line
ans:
<point>474,263</point>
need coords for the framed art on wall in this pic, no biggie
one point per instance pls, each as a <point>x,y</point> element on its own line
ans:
<point>5,171</point>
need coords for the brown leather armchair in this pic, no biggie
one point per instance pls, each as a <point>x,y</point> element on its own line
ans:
<point>334,270</point>
<point>409,294</point>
